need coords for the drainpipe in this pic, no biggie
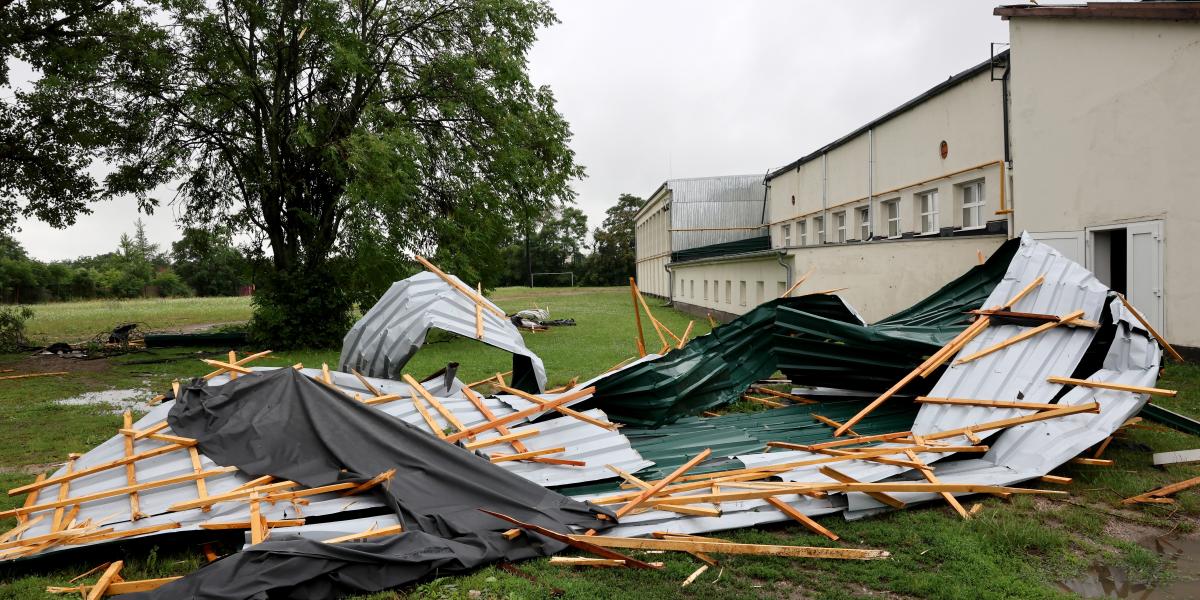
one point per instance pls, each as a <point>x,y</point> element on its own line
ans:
<point>786,267</point>
<point>1008,161</point>
<point>824,198</point>
<point>670,286</point>
<point>870,184</point>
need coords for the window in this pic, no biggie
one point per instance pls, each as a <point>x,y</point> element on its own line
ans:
<point>728,292</point>
<point>801,233</point>
<point>742,293</point>
<point>927,205</point>
<point>706,289</point>
<point>972,205</point>
<point>759,290</point>
<point>839,224</point>
<point>787,235</point>
<point>716,291</point>
<point>864,223</point>
<point>692,288</point>
<point>819,228</point>
<point>891,212</point>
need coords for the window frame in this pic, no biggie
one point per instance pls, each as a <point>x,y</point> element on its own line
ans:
<point>978,205</point>
<point>786,234</point>
<point>888,206</point>
<point>839,222</point>
<point>819,229</point>
<point>864,223</point>
<point>933,214</point>
<point>728,291</point>
<point>802,232</point>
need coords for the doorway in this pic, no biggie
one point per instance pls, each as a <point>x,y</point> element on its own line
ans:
<point>1128,259</point>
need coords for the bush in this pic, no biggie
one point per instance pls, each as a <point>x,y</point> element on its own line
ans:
<point>304,308</point>
<point>170,285</point>
<point>12,327</point>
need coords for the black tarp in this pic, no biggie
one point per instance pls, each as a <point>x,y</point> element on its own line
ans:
<point>283,424</point>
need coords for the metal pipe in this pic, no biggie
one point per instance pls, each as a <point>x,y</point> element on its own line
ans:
<point>786,268</point>
<point>821,237</point>
<point>870,184</point>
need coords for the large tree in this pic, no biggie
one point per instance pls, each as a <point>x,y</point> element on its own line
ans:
<point>612,261</point>
<point>338,134</point>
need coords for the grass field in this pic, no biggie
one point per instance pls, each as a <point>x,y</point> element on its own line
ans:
<point>77,321</point>
<point>1010,550</point>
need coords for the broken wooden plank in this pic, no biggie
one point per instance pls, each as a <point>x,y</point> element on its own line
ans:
<point>801,518</point>
<point>1020,337</point>
<point>502,439</point>
<point>657,487</point>
<point>695,574</point>
<point>931,478</point>
<point>586,561</point>
<point>562,409</point>
<point>466,291</point>
<point>732,548</point>
<point>831,423</point>
<point>106,579</point>
<point>988,403</point>
<point>521,414</point>
<point>499,458</point>
<point>117,587</point>
<point>1112,386</point>
<point>581,542</point>
<point>135,511</point>
<point>445,412</point>
<point>786,396</point>
<point>247,524</point>
<point>1157,336</point>
<point>1165,490</point>
<point>366,535</point>
<point>844,478</point>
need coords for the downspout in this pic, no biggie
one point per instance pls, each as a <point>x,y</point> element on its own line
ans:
<point>824,200</point>
<point>870,185</point>
<point>1007,170</point>
<point>786,268</point>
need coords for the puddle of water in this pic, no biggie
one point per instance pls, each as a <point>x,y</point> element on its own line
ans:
<point>120,400</point>
<point>1115,582</point>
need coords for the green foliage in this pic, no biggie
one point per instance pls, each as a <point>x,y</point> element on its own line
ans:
<point>12,327</point>
<point>170,285</point>
<point>208,262</point>
<point>555,245</point>
<point>612,261</point>
<point>317,294</point>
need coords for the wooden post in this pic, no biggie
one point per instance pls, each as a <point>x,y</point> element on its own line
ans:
<point>135,511</point>
<point>637,318</point>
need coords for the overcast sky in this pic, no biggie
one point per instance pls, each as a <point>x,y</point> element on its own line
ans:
<point>683,88</point>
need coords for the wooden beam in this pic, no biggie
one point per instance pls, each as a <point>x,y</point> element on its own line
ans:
<point>226,366</point>
<point>234,494</point>
<point>521,414</point>
<point>683,510</point>
<point>28,375</point>
<point>247,524</point>
<point>1166,490</point>
<point>466,291</point>
<point>799,281</point>
<point>1091,407</point>
<point>686,332</point>
<point>955,346</point>
<point>118,587</point>
<point>1161,340</point>
<point>101,586</point>
<point>731,548</point>
<point>1120,387</point>
<point>801,518</point>
<point>434,428</point>
<point>1095,462</point>
<point>502,439</point>
<point>586,561</point>
<point>1055,479</point>
<point>763,401</point>
<point>449,416</point>
<point>786,396</point>
<point>135,511</point>
<point>372,482</point>
<point>805,488</point>
<point>657,487</point>
<point>581,542</point>
<point>63,492</point>
<point>844,478</point>
<point>989,403</point>
<point>1020,337</point>
<point>831,423</point>
<point>559,408</point>
<point>366,535</point>
<point>91,538</point>
<point>366,383</point>
<point>499,458</point>
<point>117,491</point>
<point>931,478</point>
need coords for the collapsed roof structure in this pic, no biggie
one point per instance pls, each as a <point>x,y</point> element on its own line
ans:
<point>341,481</point>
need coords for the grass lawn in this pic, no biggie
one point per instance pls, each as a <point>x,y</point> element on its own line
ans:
<point>1012,549</point>
<point>79,321</point>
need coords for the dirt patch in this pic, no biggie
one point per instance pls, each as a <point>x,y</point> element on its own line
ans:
<point>45,363</point>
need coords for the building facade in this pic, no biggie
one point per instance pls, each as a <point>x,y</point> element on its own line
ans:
<point>1083,133</point>
<point>1105,123</point>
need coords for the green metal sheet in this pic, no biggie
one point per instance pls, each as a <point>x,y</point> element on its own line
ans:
<point>815,340</point>
<point>754,244</point>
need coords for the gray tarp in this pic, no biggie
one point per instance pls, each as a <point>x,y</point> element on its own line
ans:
<point>283,424</point>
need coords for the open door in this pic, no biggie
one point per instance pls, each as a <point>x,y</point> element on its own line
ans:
<point>1129,259</point>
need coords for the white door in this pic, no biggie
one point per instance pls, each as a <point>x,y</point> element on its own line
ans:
<point>1069,243</point>
<point>1144,251</point>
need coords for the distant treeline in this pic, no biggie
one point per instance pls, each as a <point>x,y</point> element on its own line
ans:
<point>202,263</point>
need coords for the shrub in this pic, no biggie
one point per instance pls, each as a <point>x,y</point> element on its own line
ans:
<point>12,327</point>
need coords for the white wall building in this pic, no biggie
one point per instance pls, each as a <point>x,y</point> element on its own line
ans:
<point>1085,133</point>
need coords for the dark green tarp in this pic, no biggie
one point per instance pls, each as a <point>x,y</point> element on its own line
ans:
<point>814,340</point>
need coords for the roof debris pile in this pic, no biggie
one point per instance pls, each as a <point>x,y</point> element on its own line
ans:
<point>341,481</point>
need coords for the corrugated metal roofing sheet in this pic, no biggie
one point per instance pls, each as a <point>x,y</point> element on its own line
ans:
<point>715,202</point>
<point>385,338</point>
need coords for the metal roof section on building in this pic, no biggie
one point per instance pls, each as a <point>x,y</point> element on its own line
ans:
<point>388,335</point>
<point>715,210</point>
